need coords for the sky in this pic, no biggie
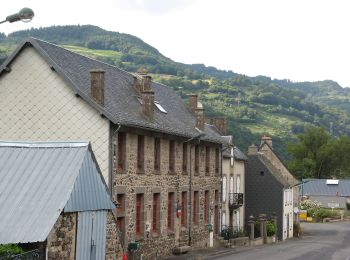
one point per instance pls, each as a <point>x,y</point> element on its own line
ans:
<point>300,40</point>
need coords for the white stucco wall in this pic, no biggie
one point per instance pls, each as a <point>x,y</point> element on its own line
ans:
<point>37,105</point>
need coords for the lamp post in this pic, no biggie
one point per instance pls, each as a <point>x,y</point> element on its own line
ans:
<point>195,138</point>
<point>25,15</point>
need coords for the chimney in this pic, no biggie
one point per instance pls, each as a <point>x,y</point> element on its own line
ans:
<point>192,103</point>
<point>148,103</point>
<point>266,139</point>
<point>221,124</point>
<point>142,82</point>
<point>97,77</point>
<point>199,113</point>
<point>252,150</point>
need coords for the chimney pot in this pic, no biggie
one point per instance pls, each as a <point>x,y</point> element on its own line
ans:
<point>199,113</point>
<point>97,86</point>
<point>142,82</point>
<point>252,150</point>
<point>266,139</point>
<point>148,103</point>
<point>192,103</point>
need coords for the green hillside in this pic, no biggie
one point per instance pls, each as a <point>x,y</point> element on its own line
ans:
<point>254,105</point>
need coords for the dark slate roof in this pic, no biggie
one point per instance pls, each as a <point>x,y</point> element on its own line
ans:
<point>259,159</point>
<point>316,187</point>
<point>39,180</point>
<point>239,155</point>
<point>121,105</point>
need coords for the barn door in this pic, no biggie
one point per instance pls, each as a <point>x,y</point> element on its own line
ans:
<point>91,237</point>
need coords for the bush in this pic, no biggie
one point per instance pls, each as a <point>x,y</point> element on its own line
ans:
<point>8,250</point>
<point>270,228</point>
<point>325,213</point>
<point>229,232</point>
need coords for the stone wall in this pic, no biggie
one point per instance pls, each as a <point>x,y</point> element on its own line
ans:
<point>61,240</point>
<point>113,243</point>
<point>148,182</point>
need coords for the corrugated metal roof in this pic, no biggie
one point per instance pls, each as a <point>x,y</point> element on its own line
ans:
<point>36,182</point>
<point>320,187</point>
<point>330,201</point>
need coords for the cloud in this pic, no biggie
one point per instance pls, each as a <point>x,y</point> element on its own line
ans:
<point>155,7</point>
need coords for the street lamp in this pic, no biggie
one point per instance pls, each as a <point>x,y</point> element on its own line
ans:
<point>25,15</point>
<point>195,138</point>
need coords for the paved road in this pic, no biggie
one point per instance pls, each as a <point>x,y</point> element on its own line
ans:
<point>329,241</point>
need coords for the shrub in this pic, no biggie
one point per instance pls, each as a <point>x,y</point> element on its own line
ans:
<point>325,213</point>
<point>270,228</point>
<point>8,250</point>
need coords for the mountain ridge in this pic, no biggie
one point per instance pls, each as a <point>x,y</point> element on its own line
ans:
<point>254,105</point>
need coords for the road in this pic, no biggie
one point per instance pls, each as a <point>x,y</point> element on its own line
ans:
<point>329,241</point>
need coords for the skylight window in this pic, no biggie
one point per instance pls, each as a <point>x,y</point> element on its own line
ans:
<point>159,106</point>
<point>332,182</point>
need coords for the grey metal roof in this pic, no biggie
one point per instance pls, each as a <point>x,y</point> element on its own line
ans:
<point>320,187</point>
<point>329,201</point>
<point>120,104</point>
<point>37,180</point>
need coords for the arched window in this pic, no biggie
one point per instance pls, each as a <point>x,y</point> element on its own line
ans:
<point>224,188</point>
<point>238,184</point>
<point>231,184</point>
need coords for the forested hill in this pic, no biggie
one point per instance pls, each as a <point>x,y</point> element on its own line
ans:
<point>254,105</point>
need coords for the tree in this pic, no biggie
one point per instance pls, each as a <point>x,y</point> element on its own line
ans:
<point>311,155</point>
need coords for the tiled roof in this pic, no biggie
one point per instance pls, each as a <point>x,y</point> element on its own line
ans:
<point>40,180</point>
<point>320,187</point>
<point>120,105</point>
<point>255,161</point>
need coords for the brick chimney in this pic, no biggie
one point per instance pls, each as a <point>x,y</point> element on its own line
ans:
<point>148,103</point>
<point>220,123</point>
<point>192,103</point>
<point>266,139</point>
<point>142,82</point>
<point>252,150</point>
<point>199,113</point>
<point>97,93</point>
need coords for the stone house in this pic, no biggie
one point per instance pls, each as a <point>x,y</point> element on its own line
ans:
<point>270,188</point>
<point>161,161</point>
<point>233,185</point>
<point>54,201</point>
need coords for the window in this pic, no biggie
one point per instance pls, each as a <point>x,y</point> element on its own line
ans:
<point>216,196</point>
<point>140,153</point>
<point>184,158</point>
<point>121,202</point>
<point>231,184</point>
<point>223,220</point>
<point>184,208</point>
<point>217,161</point>
<point>238,183</point>
<point>139,215</point>
<point>224,188</point>
<point>121,227</point>
<point>207,160</point>
<point>121,152</point>
<point>196,160</point>
<point>206,207</point>
<point>171,198</point>
<point>156,210</point>
<point>171,156</point>
<point>157,154</point>
<point>195,207</point>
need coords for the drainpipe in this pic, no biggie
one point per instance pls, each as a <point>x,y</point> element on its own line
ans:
<point>110,177</point>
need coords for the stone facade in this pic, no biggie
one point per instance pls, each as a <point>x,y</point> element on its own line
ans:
<point>113,244</point>
<point>149,181</point>
<point>61,240</point>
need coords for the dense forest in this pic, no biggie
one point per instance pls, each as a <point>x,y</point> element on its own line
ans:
<point>254,105</point>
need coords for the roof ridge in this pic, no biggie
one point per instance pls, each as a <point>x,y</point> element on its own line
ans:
<point>44,144</point>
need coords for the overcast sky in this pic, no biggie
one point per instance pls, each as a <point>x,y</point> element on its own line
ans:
<point>302,40</point>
